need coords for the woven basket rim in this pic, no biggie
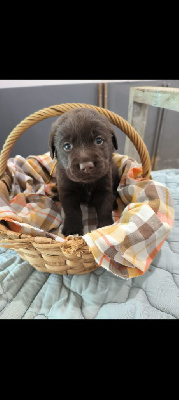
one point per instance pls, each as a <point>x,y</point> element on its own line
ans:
<point>57,110</point>
<point>35,249</point>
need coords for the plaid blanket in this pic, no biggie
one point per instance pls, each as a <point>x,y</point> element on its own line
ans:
<point>142,221</point>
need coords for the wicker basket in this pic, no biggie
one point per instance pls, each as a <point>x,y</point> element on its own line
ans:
<point>73,256</point>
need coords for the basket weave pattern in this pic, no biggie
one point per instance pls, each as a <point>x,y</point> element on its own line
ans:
<point>45,254</point>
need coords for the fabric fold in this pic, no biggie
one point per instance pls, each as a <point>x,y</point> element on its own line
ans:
<point>142,221</point>
<point>128,247</point>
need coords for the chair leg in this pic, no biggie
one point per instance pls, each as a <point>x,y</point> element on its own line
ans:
<point>137,117</point>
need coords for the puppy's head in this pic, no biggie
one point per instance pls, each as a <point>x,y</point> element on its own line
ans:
<point>83,141</point>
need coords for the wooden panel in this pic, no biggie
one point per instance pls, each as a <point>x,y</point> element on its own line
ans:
<point>137,117</point>
<point>139,100</point>
<point>163,97</point>
<point>118,102</point>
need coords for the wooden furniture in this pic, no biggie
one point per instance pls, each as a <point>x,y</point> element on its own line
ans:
<point>139,100</point>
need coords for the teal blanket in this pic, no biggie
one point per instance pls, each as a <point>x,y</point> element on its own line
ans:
<point>26,293</point>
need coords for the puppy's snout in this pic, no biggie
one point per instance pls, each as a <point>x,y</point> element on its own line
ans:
<point>86,167</point>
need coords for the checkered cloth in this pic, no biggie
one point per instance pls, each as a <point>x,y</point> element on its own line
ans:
<point>142,221</point>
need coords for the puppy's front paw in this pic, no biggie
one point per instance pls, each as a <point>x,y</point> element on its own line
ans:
<point>105,222</point>
<point>72,230</point>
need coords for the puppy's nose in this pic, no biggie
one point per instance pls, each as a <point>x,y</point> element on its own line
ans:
<point>86,167</point>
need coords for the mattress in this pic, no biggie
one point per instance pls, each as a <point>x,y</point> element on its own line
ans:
<point>26,293</point>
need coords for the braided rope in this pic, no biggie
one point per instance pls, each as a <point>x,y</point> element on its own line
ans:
<point>57,110</point>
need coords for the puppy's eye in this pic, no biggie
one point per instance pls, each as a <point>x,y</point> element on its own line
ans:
<point>98,140</point>
<point>67,146</point>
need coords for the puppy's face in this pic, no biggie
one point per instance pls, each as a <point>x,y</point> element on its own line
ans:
<point>83,142</point>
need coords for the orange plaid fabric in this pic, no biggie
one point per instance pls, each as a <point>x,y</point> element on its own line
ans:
<point>142,222</point>
<point>128,247</point>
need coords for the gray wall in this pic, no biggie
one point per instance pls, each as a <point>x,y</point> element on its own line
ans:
<point>18,103</point>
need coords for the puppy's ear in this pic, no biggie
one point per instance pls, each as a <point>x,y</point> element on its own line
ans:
<point>52,143</point>
<point>114,139</point>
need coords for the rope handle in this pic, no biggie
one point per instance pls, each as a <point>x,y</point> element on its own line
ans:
<point>57,110</point>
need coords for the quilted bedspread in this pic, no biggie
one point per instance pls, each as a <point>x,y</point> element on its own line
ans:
<point>26,293</point>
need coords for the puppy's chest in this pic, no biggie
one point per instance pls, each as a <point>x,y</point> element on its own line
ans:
<point>86,193</point>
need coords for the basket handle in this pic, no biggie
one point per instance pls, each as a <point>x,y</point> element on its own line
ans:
<point>60,109</point>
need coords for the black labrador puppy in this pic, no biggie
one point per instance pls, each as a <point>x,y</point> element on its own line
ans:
<point>83,142</point>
